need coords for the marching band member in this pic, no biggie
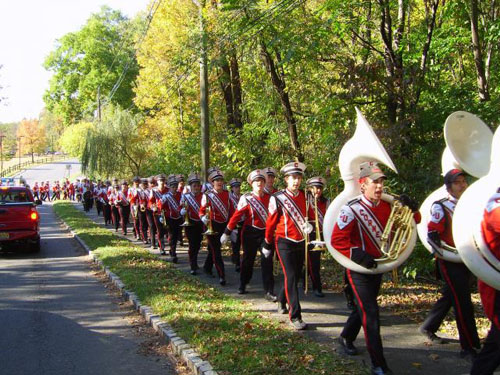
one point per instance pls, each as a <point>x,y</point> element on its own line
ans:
<point>234,195</point>
<point>488,358</point>
<point>98,201</point>
<point>106,208</point>
<point>36,191</point>
<point>194,232</point>
<point>356,235</point>
<point>182,189</point>
<point>172,200</point>
<point>271,175</point>
<point>123,206</point>
<point>316,186</point>
<point>71,191</point>
<point>157,206</point>
<point>142,195</point>
<point>286,227</point>
<point>150,213</point>
<point>253,208</point>
<point>456,290</point>
<point>112,196</point>
<point>133,197</point>
<point>221,211</point>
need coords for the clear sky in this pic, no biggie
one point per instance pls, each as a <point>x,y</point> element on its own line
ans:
<point>28,32</point>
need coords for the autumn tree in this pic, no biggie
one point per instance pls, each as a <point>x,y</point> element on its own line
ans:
<point>33,137</point>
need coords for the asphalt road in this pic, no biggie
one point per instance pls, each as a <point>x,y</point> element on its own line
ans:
<point>51,172</point>
<point>57,318</point>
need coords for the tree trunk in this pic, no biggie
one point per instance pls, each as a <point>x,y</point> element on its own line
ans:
<point>227,93</point>
<point>482,83</point>
<point>236,90</point>
<point>280,87</point>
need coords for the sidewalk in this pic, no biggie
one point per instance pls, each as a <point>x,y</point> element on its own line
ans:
<point>405,349</point>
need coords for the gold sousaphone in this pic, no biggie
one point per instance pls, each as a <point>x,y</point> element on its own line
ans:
<point>401,229</point>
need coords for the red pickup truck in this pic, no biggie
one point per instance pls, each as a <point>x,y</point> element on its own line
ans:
<point>19,219</point>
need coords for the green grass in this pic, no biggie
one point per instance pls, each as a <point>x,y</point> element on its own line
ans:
<point>225,331</point>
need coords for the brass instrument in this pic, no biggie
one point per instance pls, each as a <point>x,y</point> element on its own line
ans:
<point>133,211</point>
<point>154,207</point>
<point>142,207</point>
<point>397,233</point>
<point>210,230</point>
<point>306,237</point>
<point>163,218</point>
<point>318,244</point>
<point>187,222</point>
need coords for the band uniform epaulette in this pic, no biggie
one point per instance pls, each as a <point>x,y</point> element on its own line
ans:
<point>353,201</point>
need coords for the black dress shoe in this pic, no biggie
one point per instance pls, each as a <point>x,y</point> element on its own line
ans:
<point>208,272</point>
<point>193,272</point>
<point>242,290</point>
<point>270,297</point>
<point>347,346</point>
<point>222,281</point>
<point>237,268</point>
<point>381,371</point>
<point>432,336</point>
<point>282,309</point>
<point>319,293</point>
<point>468,354</point>
<point>162,252</point>
<point>174,260</point>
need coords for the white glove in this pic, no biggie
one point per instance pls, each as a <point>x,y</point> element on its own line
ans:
<point>234,235</point>
<point>183,211</point>
<point>224,238</point>
<point>205,219</point>
<point>266,252</point>
<point>307,228</point>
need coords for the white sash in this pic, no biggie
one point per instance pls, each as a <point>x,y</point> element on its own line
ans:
<point>257,206</point>
<point>291,208</point>
<point>192,202</point>
<point>368,222</point>
<point>172,201</point>
<point>217,202</point>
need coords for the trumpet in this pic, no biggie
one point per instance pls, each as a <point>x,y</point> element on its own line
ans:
<point>163,218</point>
<point>210,230</point>
<point>187,222</point>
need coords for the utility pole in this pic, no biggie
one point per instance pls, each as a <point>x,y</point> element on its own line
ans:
<point>19,139</point>
<point>204,110</point>
<point>1,154</point>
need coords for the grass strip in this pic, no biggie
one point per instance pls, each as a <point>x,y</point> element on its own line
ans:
<point>225,331</point>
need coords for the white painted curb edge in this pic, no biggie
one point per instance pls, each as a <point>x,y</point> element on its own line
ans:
<point>179,346</point>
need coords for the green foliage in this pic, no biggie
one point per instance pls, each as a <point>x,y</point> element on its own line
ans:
<point>115,146</point>
<point>89,62</point>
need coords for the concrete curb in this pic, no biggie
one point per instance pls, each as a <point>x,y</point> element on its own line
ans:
<point>185,352</point>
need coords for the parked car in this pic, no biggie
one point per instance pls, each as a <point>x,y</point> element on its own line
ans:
<point>19,219</point>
